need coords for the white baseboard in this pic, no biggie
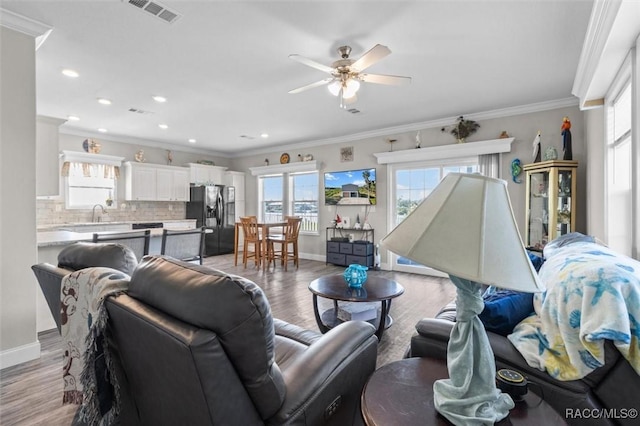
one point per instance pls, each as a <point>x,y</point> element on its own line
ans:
<point>15,356</point>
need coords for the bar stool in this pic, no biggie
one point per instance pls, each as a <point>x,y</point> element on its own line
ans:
<point>251,234</point>
<point>290,236</point>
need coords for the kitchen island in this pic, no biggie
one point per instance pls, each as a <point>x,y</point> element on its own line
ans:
<point>53,238</point>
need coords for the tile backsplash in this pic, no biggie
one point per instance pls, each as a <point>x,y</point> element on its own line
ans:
<point>53,212</point>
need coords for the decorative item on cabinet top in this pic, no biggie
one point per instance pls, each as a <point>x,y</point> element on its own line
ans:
<point>462,129</point>
<point>284,158</point>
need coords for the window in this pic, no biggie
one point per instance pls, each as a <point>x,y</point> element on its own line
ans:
<point>619,183</point>
<point>303,190</point>
<point>411,185</point>
<point>271,198</point>
<point>89,184</point>
<point>290,194</point>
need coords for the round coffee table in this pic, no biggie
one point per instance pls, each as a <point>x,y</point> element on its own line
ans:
<point>401,392</point>
<point>334,287</point>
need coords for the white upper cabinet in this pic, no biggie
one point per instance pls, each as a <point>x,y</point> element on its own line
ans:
<point>47,165</point>
<point>236,179</point>
<point>154,182</point>
<point>202,174</point>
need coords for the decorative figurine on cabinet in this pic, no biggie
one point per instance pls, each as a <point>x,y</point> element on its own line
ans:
<point>537,154</point>
<point>566,139</point>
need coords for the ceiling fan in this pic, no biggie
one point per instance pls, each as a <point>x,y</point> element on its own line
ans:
<point>346,73</point>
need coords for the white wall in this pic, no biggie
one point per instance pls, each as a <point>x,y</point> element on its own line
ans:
<point>18,339</point>
<point>523,127</point>
<point>596,178</point>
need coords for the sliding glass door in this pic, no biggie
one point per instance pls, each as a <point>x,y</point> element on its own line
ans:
<point>410,184</point>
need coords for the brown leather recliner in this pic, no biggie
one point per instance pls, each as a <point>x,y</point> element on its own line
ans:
<point>199,346</point>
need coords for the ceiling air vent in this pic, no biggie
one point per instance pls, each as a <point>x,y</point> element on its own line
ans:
<point>353,110</point>
<point>156,9</point>
<point>140,111</point>
<point>247,137</point>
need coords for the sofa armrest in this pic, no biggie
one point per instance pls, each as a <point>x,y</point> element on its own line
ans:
<point>336,365</point>
<point>50,279</point>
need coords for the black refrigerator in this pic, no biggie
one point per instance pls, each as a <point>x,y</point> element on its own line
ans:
<point>213,206</point>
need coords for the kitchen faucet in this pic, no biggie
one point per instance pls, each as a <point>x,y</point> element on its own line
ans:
<point>93,214</point>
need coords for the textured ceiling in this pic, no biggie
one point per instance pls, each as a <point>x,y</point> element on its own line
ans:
<point>224,66</point>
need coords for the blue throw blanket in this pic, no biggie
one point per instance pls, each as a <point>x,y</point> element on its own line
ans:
<point>593,295</point>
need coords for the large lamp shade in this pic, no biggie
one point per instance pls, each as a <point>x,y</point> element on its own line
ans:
<point>466,228</point>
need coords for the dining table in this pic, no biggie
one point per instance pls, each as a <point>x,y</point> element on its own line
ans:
<point>264,227</point>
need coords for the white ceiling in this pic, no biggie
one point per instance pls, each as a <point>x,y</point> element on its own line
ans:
<point>224,66</point>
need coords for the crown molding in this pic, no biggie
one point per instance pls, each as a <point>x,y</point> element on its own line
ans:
<point>86,157</point>
<point>28,26</point>
<point>486,115</point>
<point>129,140</point>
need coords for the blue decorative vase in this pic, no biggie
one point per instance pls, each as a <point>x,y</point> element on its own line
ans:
<point>355,275</point>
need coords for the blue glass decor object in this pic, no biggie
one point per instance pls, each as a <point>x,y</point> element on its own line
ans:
<point>355,275</point>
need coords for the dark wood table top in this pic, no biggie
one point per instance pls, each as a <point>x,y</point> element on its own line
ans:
<point>375,289</point>
<point>401,393</point>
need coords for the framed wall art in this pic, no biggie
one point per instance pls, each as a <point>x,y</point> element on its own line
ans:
<point>346,153</point>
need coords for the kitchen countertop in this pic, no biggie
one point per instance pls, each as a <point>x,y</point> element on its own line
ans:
<point>58,226</point>
<point>61,237</point>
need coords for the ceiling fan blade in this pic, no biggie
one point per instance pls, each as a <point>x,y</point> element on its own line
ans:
<point>394,80</point>
<point>376,53</point>
<point>311,86</point>
<point>311,63</point>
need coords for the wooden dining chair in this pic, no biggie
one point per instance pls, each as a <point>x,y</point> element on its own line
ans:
<point>187,245</point>
<point>287,239</point>
<point>251,235</point>
<point>138,241</point>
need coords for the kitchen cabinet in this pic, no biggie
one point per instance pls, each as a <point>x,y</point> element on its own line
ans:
<point>236,179</point>
<point>172,185</point>
<point>202,174</point>
<point>551,201</point>
<point>155,182</point>
<point>47,150</point>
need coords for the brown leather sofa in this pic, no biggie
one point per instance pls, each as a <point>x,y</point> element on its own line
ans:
<point>614,386</point>
<point>193,345</point>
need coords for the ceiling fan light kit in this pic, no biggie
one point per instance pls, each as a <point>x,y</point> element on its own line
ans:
<point>347,73</point>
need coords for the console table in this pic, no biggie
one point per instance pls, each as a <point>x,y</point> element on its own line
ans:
<point>341,251</point>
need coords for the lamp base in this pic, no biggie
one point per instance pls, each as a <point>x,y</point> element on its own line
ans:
<point>469,396</point>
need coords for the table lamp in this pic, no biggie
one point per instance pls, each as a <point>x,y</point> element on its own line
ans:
<point>466,229</point>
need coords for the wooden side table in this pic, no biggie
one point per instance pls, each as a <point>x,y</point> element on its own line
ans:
<point>401,393</point>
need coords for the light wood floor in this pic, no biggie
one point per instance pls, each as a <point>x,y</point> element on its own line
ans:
<point>31,393</point>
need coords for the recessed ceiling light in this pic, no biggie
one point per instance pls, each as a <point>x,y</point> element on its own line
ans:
<point>192,141</point>
<point>104,101</point>
<point>160,99</point>
<point>102,130</point>
<point>70,73</point>
<point>163,126</point>
<point>264,135</point>
<point>73,118</point>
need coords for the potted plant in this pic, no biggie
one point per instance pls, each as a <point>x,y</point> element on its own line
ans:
<point>463,129</point>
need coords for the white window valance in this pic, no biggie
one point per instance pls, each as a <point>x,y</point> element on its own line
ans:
<point>90,165</point>
<point>297,167</point>
<point>442,152</point>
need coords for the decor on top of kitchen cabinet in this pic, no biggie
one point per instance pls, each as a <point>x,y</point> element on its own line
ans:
<point>169,157</point>
<point>305,157</point>
<point>462,129</point>
<point>537,155</point>
<point>139,157</point>
<point>566,139</point>
<point>91,146</point>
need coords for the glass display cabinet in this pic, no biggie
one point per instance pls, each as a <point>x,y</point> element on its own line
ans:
<point>551,201</point>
